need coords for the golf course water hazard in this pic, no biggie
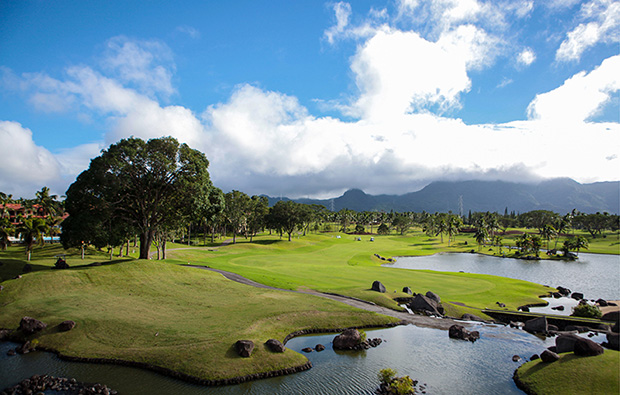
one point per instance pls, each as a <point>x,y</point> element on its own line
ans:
<point>594,275</point>
<point>445,365</point>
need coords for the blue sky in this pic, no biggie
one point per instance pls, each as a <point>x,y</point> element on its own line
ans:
<point>305,98</point>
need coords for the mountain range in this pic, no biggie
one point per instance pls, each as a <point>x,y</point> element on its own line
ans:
<point>560,195</point>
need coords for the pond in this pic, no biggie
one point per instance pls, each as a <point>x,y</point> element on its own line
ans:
<point>444,365</point>
<point>594,275</point>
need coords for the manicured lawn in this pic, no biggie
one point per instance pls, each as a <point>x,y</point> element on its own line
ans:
<point>179,318</point>
<point>574,375</point>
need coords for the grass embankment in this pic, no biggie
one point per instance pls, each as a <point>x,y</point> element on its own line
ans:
<point>349,267</point>
<point>573,375</point>
<point>182,319</point>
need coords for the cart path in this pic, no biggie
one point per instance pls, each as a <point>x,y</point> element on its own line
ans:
<point>415,319</point>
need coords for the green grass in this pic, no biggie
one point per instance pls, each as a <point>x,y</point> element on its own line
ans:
<point>574,375</point>
<point>198,316</point>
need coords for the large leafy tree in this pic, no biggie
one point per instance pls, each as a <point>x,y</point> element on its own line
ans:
<point>140,186</point>
<point>237,207</point>
<point>30,231</point>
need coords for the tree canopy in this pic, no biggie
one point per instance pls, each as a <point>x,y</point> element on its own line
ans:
<point>136,186</point>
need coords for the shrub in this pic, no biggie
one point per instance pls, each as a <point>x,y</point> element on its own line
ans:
<point>359,228</point>
<point>363,336</point>
<point>587,311</point>
<point>383,229</point>
<point>390,384</point>
<point>387,375</point>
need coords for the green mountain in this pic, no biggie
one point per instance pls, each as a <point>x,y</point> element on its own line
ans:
<point>560,195</point>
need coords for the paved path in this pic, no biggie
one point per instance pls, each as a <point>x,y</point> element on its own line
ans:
<point>415,319</point>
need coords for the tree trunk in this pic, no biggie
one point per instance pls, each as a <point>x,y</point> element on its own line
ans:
<point>212,234</point>
<point>163,248</point>
<point>127,249</point>
<point>146,239</point>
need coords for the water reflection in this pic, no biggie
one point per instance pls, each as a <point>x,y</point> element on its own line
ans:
<point>595,275</point>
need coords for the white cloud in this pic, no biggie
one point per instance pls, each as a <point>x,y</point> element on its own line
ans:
<point>342,12</point>
<point>26,167</point>
<point>526,57</point>
<point>580,97</point>
<point>146,65</point>
<point>601,21</point>
<point>189,30</point>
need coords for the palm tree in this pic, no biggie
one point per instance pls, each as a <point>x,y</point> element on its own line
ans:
<point>454,224</point>
<point>580,242</point>
<point>30,230</point>
<point>548,231</point>
<point>535,244</point>
<point>48,202</point>
<point>6,230</point>
<point>498,242</point>
<point>480,235</point>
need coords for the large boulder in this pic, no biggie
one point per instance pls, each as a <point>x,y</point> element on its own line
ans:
<point>29,325</point>
<point>549,356</point>
<point>536,325</point>
<point>433,296</point>
<point>459,332</point>
<point>563,291</point>
<point>377,286</point>
<point>425,304</point>
<point>347,340</point>
<point>275,345</point>
<point>244,348</point>
<point>566,343</point>
<point>587,348</point>
<point>66,326</point>
<point>471,317</point>
<point>612,341</point>
<point>577,295</point>
<point>407,290</point>
<point>613,316</point>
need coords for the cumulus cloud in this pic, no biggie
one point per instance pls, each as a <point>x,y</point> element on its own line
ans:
<point>580,97</point>
<point>601,19</point>
<point>526,57</point>
<point>26,167</point>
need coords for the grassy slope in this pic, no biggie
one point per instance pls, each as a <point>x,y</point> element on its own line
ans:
<point>348,267</point>
<point>574,375</point>
<point>197,314</point>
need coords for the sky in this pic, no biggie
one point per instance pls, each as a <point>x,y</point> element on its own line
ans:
<point>308,98</point>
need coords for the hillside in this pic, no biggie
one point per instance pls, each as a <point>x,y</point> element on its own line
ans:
<point>560,195</point>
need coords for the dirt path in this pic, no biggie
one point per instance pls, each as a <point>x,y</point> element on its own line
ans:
<point>415,319</point>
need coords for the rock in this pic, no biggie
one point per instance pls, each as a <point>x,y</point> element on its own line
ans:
<point>244,348</point>
<point>611,304</point>
<point>516,358</point>
<point>552,328</point>
<point>566,343</point>
<point>11,352</point>
<point>459,332</point>
<point>423,303</point>
<point>536,325</point>
<point>556,295</point>
<point>549,356</point>
<point>4,334</point>
<point>275,345</point>
<point>601,302</point>
<point>563,291</point>
<point>66,326</point>
<point>319,347</point>
<point>378,287</point>
<point>534,357</point>
<point>517,324</point>
<point>407,290</point>
<point>578,328</point>
<point>577,295</point>
<point>525,308</point>
<point>347,340</point>
<point>27,268</point>
<point>500,304</point>
<point>433,296</point>
<point>307,349</point>
<point>587,348</point>
<point>613,316</point>
<point>612,341</point>
<point>615,327</point>
<point>471,317</point>
<point>558,308</point>
<point>61,264</point>
<point>25,348</point>
<point>553,349</point>
<point>30,325</point>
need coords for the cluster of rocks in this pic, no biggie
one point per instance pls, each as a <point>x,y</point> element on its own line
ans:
<point>384,258</point>
<point>317,348</point>
<point>38,384</point>
<point>459,332</point>
<point>429,304</point>
<point>351,339</point>
<point>28,326</point>
<point>244,348</point>
<point>61,264</point>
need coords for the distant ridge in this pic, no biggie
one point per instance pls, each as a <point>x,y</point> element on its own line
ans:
<point>560,195</point>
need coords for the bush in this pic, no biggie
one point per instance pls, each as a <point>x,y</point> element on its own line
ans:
<point>387,375</point>
<point>587,311</point>
<point>363,336</point>
<point>359,228</point>
<point>383,229</point>
<point>390,384</point>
